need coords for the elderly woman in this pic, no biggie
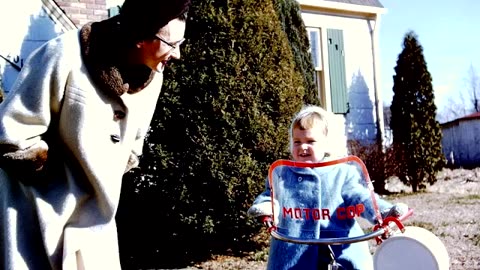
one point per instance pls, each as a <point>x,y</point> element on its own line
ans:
<point>72,125</point>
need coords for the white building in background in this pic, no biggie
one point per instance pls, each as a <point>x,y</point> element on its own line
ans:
<point>460,140</point>
<point>344,41</point>
<point>27,24</point>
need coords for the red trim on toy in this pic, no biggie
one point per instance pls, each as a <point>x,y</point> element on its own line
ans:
<point>284,162</point>
<point>386,225</point>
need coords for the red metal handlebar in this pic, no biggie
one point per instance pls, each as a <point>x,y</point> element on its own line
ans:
<point>380,232</point>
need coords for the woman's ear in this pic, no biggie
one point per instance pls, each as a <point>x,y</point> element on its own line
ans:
<point>140,44</point>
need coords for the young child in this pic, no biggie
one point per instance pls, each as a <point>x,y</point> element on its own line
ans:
<point>339,186</point>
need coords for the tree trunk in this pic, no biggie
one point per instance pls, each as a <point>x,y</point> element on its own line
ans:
<point>414,187</point>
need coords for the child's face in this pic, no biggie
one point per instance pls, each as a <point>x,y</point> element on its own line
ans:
<point>308,145</point>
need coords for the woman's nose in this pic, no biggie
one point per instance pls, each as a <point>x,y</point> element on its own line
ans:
<point>175,53</point>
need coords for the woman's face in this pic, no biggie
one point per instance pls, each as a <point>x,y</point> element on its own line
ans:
<point>308,145</point>
<point>164,46</point>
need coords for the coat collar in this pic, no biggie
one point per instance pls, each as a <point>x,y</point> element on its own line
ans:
<point>104,56</point>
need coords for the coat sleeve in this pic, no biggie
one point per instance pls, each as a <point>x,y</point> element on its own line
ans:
<point>149,102</point>
<point>355,191</point>
<point>262,205</point>
<point>134,160</point>
<point>32,105</point>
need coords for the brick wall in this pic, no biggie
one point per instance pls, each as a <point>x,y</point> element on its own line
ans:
<point>84,11</point>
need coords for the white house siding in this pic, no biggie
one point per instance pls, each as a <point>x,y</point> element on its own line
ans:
<point>360,122</point>
<point>461,142</point>
<point>25,25</point>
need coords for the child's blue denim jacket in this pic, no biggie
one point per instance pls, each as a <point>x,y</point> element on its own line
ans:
<point>320,202</point>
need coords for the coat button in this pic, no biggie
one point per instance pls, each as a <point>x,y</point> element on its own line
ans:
<point>119,114</point>
<point>300,179</point>
<point>115,138</point>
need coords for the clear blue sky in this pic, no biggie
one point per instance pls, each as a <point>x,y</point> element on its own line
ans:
<point>448,31</point>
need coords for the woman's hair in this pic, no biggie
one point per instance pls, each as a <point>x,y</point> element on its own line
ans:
<point>142,19</point>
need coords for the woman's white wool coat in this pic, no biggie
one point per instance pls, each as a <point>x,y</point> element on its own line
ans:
<point>67,216</point>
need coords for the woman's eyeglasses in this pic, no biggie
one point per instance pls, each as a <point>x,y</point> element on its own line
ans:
<point>173,46</point>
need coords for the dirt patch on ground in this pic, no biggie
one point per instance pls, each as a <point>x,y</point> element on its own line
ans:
<point>449,209</point>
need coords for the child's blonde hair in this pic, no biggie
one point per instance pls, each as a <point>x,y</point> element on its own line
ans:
<point>308,117</point>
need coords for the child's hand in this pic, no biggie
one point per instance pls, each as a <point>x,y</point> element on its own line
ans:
<point>260,209</point>
<point>397,210</point>
<point>266,220</point>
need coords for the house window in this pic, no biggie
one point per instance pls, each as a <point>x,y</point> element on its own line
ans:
<point>314,37</point>
<point>315,49</point>
<point>113,11</point>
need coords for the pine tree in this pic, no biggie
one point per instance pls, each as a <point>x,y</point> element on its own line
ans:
<point>416,134</point>
<point>292,24</point>
<point>222,119</point>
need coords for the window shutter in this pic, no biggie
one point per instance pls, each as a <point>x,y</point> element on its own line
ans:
<point>336,64</point>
